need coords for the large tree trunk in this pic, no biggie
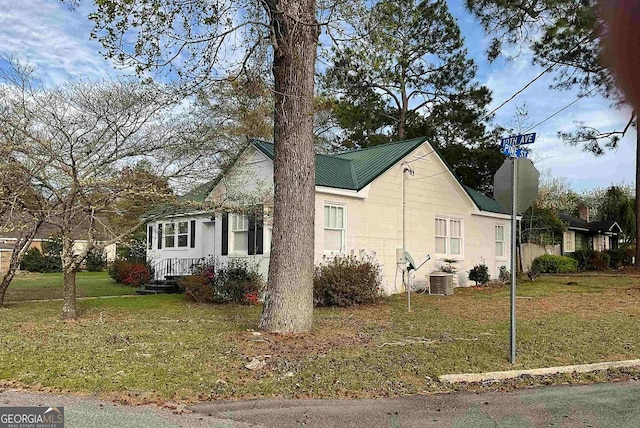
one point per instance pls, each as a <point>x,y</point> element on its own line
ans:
<point>69,269</point>
<point>288,303</point>
<point>20,248</point>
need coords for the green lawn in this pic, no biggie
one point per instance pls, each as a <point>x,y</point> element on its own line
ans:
<point>42,286</point>
<point>167,348</point>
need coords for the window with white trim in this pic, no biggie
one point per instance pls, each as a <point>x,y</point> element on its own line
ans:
<point>183,234</point>
<point>569,244</point>
<point>499,240</point>
<point>176,234</point>
<point>169,235</point>
<point>334,228</point>
<point>448,235</point>
<point>239,232</point>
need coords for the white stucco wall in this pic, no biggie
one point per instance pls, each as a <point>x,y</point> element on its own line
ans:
<point>374,224</point>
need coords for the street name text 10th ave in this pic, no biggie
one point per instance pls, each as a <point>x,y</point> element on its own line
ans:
<point>518,140</point>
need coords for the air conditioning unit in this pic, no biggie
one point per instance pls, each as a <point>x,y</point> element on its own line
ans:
<point>441,283</point>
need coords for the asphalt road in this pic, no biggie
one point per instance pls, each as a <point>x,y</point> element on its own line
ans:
<point>599,405</point>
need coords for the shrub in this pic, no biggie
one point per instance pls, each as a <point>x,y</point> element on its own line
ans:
<point>347,281</point>
<point>133,274</point>
<point>117,269</point>
<point>449,267</point>
<point>236,282</point>
<point>600,261</point>
<point>136,275</point>
<point>479,274</point>
<point>583,257</point>
<point>549,263</point>
<point>504,276</point>
<point>593,260</point>
<point>619,257</point>
<point>96,260</point>
<point>35,261</point>
<point>32,260</point>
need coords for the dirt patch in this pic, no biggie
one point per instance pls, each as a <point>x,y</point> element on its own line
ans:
<point>330,333</point>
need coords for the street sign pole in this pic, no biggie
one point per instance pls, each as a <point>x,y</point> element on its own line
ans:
<point>514,169</point>
<point>515,184</point>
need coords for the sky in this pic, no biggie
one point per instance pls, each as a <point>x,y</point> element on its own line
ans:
<point>56,41</point>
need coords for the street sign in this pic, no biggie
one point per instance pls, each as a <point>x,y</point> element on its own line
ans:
<point>510,146</point>
<point>513,151</point>
<point>519,140</point>
<point>526,184</point>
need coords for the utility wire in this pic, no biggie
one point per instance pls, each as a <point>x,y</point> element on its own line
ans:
<point>545,71</point>
<point>518,92</point>
<point>561,110</point>
<point>420,157</point>
<point>429,176</point>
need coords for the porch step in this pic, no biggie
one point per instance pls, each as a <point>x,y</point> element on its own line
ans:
<point>159,287</point>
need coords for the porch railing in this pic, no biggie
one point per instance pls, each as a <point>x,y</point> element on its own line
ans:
<point>175,267</point>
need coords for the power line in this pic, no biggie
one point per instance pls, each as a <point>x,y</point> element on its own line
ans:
<point>561,110</point>
<point>518,92</point>
<point>420,157</point>
<point>556,62</point>
<point>429,176</point>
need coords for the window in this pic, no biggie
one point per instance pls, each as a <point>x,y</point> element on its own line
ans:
<point>169,235</point>
<point>239,232</point>
<point>183,233</point>
<point>499,240</point>
<point>448,236</point>
<point>569,241</point>
<point>176,234</point>
<point>334,228</point>
<point>149,237</point>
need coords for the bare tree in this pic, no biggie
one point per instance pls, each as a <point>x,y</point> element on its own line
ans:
<point>22,212</point>
<point>79,145</point>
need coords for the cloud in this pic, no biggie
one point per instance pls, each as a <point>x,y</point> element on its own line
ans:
<point>52,38</point>
<point>582,169</point>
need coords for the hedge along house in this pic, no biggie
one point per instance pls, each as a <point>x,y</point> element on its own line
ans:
<point>358,206</point>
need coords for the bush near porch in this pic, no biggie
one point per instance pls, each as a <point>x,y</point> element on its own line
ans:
<point>166,347</point>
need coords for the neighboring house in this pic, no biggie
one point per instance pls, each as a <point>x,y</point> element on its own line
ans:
<point>582,234</point>
<point>358,206</point>
<point>8,240</point>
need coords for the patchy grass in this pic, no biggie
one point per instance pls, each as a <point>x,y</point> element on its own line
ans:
<point>157,348</point>
<point>43,286</point>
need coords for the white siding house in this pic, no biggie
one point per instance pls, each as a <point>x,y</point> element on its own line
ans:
<point>359,207</point>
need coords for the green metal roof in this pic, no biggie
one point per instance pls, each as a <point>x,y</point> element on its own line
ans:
<point>353,170</point>
<point>483,202</point>
<point>370,163</point>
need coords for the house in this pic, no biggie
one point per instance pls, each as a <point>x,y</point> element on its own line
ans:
<point>358,206</point>
<point>582,234</point>
<point>8,239</point>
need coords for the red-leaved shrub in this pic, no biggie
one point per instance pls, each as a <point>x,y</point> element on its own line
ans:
<point>136,275</point>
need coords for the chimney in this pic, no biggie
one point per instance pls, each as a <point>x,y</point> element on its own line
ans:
<point>583,212</point>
